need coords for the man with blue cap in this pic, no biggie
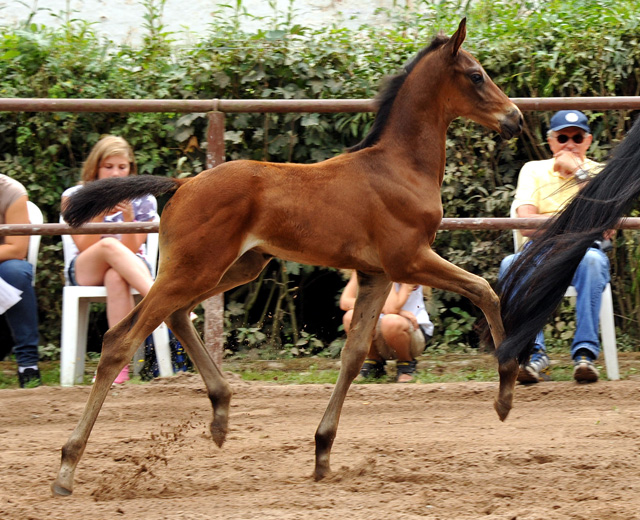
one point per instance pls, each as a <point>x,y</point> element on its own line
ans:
<point>544,188</point>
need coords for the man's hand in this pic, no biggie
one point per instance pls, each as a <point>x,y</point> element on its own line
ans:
<point>566,163</point>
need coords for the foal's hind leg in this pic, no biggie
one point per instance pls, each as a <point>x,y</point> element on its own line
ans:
<point>372,293</point>
<point>431,270</point>
<point>244,270</point>
<point>119,345</point>
<point>217,387</point>
<point>173,289</point>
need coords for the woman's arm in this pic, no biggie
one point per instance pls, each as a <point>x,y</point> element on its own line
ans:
<point>15,247</point>
<point>348,296</point>
<point>397,299</point>
<point>132,240</point>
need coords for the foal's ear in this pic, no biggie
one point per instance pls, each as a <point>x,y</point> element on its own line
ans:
<point>456,40</point>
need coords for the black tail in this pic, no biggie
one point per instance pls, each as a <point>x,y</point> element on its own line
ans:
<point>550,261</point>
<point>99,196</point>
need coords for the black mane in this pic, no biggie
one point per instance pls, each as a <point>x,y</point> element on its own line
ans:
<point>387,95</point>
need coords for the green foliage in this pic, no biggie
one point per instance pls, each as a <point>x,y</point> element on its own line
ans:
<point>541,48</point>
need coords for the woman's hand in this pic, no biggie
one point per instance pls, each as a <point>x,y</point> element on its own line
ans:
<point>411,317</point>
<point>127,211</point>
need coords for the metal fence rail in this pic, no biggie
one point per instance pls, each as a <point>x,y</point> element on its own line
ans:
<point>488,223</point>
<point>282,105</point>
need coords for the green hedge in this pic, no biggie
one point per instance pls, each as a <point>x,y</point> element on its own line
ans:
<point>531,49</point>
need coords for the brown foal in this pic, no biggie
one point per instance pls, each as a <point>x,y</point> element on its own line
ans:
<point>375,209</point>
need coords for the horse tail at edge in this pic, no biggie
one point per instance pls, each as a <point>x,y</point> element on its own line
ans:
<point>99,196</point>
<point>535,283</point>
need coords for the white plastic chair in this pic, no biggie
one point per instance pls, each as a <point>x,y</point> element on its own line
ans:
<point>35,217</point>
<point>76,300</point>
<point>607,323</point>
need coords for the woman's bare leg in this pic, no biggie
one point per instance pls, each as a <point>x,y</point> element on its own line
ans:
<point>93,263</point>
<point>396,332</point>
<point>119,298</point>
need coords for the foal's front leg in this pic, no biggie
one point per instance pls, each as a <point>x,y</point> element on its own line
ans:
<point>372,293</point>
<point>434,271</point>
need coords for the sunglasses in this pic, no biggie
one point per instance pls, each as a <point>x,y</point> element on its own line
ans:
<point>577,138</point>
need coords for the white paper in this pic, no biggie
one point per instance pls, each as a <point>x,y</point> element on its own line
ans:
<point>9,296</point>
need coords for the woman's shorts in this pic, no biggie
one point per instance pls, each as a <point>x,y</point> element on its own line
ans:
<point>419,340</point>
<point>71,270</point>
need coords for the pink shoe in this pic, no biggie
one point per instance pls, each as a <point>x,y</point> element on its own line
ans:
<point>123,376</point>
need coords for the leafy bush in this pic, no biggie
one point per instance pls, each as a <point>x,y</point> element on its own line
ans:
<point>542,48</point>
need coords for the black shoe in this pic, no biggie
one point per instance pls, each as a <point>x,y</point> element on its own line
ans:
<point>372,368</point>
<point>30,378</point>
<point>406,368</point>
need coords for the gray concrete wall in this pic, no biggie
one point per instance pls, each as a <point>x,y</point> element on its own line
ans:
<point>121,20</point>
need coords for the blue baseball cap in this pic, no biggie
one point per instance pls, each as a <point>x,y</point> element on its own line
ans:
<point>567,118</point>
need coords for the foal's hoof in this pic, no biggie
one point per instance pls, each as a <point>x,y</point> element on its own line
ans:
<point>502,408</point>
<point>319,475</point>
<point>321,472</point>
<point>218,434</point>
<point>57,490</point>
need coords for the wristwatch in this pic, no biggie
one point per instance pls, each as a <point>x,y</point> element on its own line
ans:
<point>581,175</point>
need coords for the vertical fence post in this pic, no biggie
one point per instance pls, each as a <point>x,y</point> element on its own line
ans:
<point>214,306</point>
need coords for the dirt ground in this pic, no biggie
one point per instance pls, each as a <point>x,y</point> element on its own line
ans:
<point>429,451</point>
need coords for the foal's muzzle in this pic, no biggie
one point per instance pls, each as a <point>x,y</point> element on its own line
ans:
<point>511,124</point>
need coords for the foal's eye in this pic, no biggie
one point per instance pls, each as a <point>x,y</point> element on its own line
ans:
<point>476,78</point>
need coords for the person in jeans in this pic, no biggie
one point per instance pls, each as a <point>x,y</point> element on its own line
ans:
<point>22,317</point>
<point>544,188</point>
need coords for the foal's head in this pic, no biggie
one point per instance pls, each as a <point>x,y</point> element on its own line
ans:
<point>442,80</point>
<point>465,89</point>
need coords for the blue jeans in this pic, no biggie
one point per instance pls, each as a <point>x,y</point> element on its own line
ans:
<point>590,279</point>
<point>23,316</point>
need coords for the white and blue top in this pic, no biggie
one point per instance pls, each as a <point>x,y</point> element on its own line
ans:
<point>415,305</point>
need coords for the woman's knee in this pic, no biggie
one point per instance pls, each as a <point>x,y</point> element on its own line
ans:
<point>505,264</point>
<point>393,325</point>
<point>112,246</point>
<point>346,320</point>
<point>595,262</point>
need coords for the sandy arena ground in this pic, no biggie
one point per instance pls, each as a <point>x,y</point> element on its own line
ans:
<point>428,451</point>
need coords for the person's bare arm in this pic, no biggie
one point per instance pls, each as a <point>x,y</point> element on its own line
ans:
<point>396,300</point>
<point>529,211</point>
<point>132,240</point>
<point>348,296</point>
<point>15,247</point>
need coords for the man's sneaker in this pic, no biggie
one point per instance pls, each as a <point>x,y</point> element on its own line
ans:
<point>535,370</point>
<point>29,378</point>
<point>584,371</point>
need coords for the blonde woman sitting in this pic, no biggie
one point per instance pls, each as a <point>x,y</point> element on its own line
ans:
<point>116,261</point>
